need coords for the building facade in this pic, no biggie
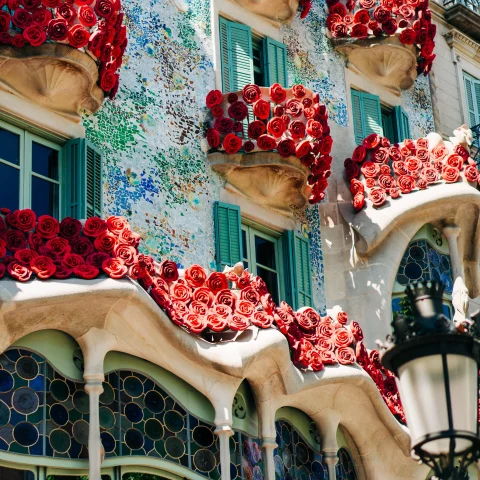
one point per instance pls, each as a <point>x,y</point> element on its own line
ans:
<point>288,146</point>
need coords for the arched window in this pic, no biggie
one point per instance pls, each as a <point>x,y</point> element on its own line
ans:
<point>345,468</point>
<point>426,258</point>
<point>297,456</point>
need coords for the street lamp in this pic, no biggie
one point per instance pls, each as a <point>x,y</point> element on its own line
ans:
<point>436,368</point>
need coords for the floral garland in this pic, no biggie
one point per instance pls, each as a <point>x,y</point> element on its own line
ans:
<point>411,20</point>
<point>298,127</point>
<point>380,170</point>
<point>45,248</point>
<point>95,26</point>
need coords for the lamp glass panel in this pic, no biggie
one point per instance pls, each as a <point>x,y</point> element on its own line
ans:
<point>422,389</point>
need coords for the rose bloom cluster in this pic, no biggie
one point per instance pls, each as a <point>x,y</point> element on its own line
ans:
<point>410,19</point>
<point>383,378</point>
<point>47,248</point>
<point>379,170</point>
<point>93,25</point>
<point>305,5</point>
<point>290,121</point>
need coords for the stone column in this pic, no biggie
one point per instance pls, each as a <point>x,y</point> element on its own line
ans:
<point>269,445</point>
<point>330,458</point>
<point>42,473</point>
<point>451,233</point>
<point>94,389</point>
<point>327,425</point>
<point>224,432</point>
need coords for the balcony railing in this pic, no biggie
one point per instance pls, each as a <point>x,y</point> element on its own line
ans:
<point>459,14</point>
<point>271,144</point>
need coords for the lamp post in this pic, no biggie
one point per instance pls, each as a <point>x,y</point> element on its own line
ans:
<point>436,368</point>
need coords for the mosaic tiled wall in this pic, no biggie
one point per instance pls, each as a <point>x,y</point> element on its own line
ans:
<point>156,173</point>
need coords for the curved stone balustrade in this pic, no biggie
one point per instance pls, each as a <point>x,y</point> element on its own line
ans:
<point>55,76</point>
<point>106,315</point>
<point>275,10</point>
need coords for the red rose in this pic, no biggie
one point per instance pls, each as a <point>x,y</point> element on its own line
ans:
<point>72,260</point>
<point>430,174</point>
<point>18,40</point>
<point>41,17</point>
<point>297,129</point>
<point>381,155</point>
<point>395,154</point>
<point>232,143</point>
<point>104,8</point>
<point>385,170</point>
<point>408,13</point>
<point>261,109</point>
<point>361,16</point>
<point>303,148</point>
<point>5,21</point>
<point>378,196</point>
<point>196,306</point>
<point>345,355</point>
<point>231,97</point>
<point>256,129</point>
<point>70,228</point>
<point>238,111</point>
<point>387,182</point>
<point>43,266</point>
<point>87,272</point>
<point>294,108</point>
<point>25,219</point>
<point>57,29</point>
<point>216,323</point>
<point>116,225</point>
<point>455,160</point>
<point>245,308</point>
<point>195,323</point>
<point>286,148</point>
<point>389,26</point>
<point>333,19</point>
<point>225,297</point>
<point>450,174</point>
<point>422,184</point>
<point>238,323</point>
<point>168,271</point>
<point>251,93</point>
<point>439,152</point>
<point>370,169</point>
<point>462,151</point>
<point>203,295</point>
<point>21,18</point>
<point>406,183</point>
<point>326,144</point>
<point>298,91</point>
<point>262,319</point>
<point>413,164</point>
<point>35,35</point>
<point>356,186</point>
<point>307,102</point>
<point>217,281</point>
<point>248,146</point>
<point>276,127</point>
<point>372,141</point>
<point>213,138</point>
<point>266,142</point>
<point>18,271</point>
<point>277,93</point>
<point>96,259</point>
<point>47,227</point>
<point>78,38</point>
<point>314,129</point>
<point>359,154</point>
<point>94,226</point>
<point>108,78</point>
<point>279,110</point>
<point>128,237</point>
<point>352,169</point>
<point>105,242</point>
<point>181,292</point>
<point>214,97</point>
<point>126,253</point>
<point>408,36</point>
<point>339,30</point>
<point>400,168</point>
<point>195,276</point>
<point>471,174</point>
<point>359,31</point>
<point>87,16</point>
<point>370,182</point>
<point>59,246</point>
<point>114,268</point>
<point>67,12</point>
<point>339,9</point>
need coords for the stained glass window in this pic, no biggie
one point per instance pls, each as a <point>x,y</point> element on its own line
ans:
<point>138,417</point>
<point>246,457</point>
<point>41,411</point>
<point>294,459</point>
<point>345,467</point>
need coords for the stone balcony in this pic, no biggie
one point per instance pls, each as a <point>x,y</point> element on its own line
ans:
<point>389,46</point>
<point>271,145</point>
<point>274,10</point>
<point>464,15</point>
<point>64,59</point>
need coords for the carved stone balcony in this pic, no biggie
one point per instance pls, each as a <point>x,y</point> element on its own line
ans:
<point>464,15</point>
<point>57,77</point>
<point>276,10</point>
<point>60,65</point>
<point>272,145</point>
<point>386,43</point>
<point>385,61</point>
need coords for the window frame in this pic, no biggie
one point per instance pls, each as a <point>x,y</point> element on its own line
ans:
<point>25,166</point>
<point>253,229</point>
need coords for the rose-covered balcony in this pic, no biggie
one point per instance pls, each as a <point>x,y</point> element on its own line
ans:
<point>392,188</point>
<point>271,144</point>
<point>388,42</point>
<point>277,10</point>
<point>61,55</point>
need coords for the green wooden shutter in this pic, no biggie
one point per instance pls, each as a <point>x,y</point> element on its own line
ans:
<point>299,278</point>
<point>367,115</point>
<point>402,124</point>
<point>275,62</point>
<point>387,124</point>
<point>471,103</point>
<point>236,55</point>
<point>82,185</point>
<point>228,235</point>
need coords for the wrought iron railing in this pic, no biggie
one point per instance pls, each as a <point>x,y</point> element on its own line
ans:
<point>475,147</point>
<point>473,5</point>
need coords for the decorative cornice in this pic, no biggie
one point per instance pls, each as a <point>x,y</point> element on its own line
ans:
<point>453,37</point>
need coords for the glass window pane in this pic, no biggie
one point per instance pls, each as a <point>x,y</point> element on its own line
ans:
<point>10,143</point>
<point>270,278</point>
<point>45,198</point>
<point>14,474</point>
<point>45,160</point>
<point>245,248</point>
<point>265,252</point>
<point>10,191</point>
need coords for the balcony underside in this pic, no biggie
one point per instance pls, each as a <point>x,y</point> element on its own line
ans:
<point>275,10</point>
<point>465,19</point>
<point>57,77</point>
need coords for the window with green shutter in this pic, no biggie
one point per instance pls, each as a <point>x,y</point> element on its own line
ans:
<point>282,260</point>
<point>472,95</point>
<point>367,115</point>
<point>402,125</point>
<point>83,180</point>
<point>247,58</point>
